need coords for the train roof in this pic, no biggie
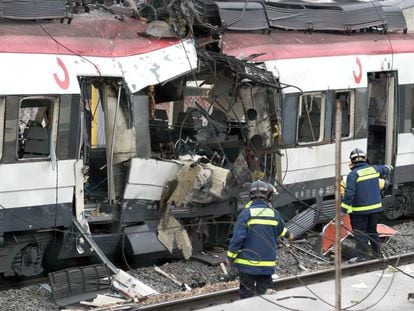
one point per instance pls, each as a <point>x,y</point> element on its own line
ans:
<point>92,34</point>
<point>281,44</point>
<point>48,55</point>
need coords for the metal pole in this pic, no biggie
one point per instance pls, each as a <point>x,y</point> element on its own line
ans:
<point>338,249</point>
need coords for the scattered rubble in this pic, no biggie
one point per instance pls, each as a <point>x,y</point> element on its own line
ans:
<point>195,273</point>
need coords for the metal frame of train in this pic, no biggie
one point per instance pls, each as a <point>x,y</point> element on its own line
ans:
<point>119,131</point>
<point>77,110</point>
<point>370,74</point>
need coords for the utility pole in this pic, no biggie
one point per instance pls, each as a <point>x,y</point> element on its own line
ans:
<point>338,220</point>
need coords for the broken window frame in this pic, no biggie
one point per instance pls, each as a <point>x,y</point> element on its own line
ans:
<point>2,116</point>
<point>322,112</point>
<point>351,110</point>
<point>52,126</point>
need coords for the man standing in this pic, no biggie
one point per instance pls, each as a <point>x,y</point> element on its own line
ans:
<point>253,247</point>
<point>362,200</point>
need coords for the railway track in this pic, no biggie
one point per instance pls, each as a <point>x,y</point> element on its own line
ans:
<point>9,284</point>
<point>229,295</point>
<point>193,270</point>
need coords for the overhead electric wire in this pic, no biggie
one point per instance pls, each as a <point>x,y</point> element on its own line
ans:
<point>308,207</point>
<point>282,186</point>
<point>69,49</point>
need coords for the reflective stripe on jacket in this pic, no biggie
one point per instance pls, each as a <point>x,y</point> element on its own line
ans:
<point>253,247</point>
<point>362,193</point>
<point>381,183</point>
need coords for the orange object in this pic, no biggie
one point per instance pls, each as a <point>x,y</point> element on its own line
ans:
<point>328,233</point>
<point>385,231</point>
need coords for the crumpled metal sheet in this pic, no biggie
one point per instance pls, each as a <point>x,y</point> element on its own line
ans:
<point>199,183</point>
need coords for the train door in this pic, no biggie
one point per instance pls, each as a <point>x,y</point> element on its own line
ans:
<point>109,141</point>
<point>381,117</point>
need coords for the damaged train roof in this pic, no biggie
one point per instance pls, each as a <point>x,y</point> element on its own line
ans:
<point>102,35</point>
<point>57,52</point>
<point>281,44</point>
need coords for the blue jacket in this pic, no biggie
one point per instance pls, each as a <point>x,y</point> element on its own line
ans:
<point>253,247</point>
<point>362,193</point>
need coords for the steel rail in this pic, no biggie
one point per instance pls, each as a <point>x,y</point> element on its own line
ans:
<point>229,295</point>
<point>7,285</point>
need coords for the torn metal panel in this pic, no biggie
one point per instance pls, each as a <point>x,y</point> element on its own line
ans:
<point>101,46</point>
<point>243,92</point>
<point>249,104</point>
<point>254,100</point>
<point>199,183</point>
<point>124,143</point>
<point>147,178</point>
<point>160,29</point>
<point>160,66</point>
<point>130,286</point>
<point>241,66</point>
<point>171,233</point>
<point>222,96</point>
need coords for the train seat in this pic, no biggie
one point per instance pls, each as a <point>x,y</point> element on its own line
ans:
<point>36,142</point>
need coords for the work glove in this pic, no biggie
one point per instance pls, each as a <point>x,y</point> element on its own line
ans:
<point>291,237</point>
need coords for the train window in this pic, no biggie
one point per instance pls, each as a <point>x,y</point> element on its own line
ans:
<point>2,105</point>
<point>310,118</point>
<point>408,101</point>
<point>37,127</point>
<point>347,99</point>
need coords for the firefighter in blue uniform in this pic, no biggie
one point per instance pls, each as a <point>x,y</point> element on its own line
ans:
<point>362,200</point>
<point>253,247</point>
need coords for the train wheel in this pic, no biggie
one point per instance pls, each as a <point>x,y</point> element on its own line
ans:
<point>28,261</point>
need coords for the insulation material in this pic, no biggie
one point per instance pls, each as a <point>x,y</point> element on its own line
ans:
<point>171,232</point>
<point>241,168</point>
<point>124,146</point>
<point>199,183</point>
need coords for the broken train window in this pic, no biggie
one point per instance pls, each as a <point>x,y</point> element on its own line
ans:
<point>310,118</point>
<point>37,127</point>
<point>347,100</point>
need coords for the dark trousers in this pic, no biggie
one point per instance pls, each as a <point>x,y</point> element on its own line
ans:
<point>364,228</point>
<point>252,285</point>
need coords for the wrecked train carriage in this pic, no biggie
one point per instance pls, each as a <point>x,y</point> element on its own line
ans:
<point>370,74</point>
<point>77,104</point>
<point>359,54</point>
